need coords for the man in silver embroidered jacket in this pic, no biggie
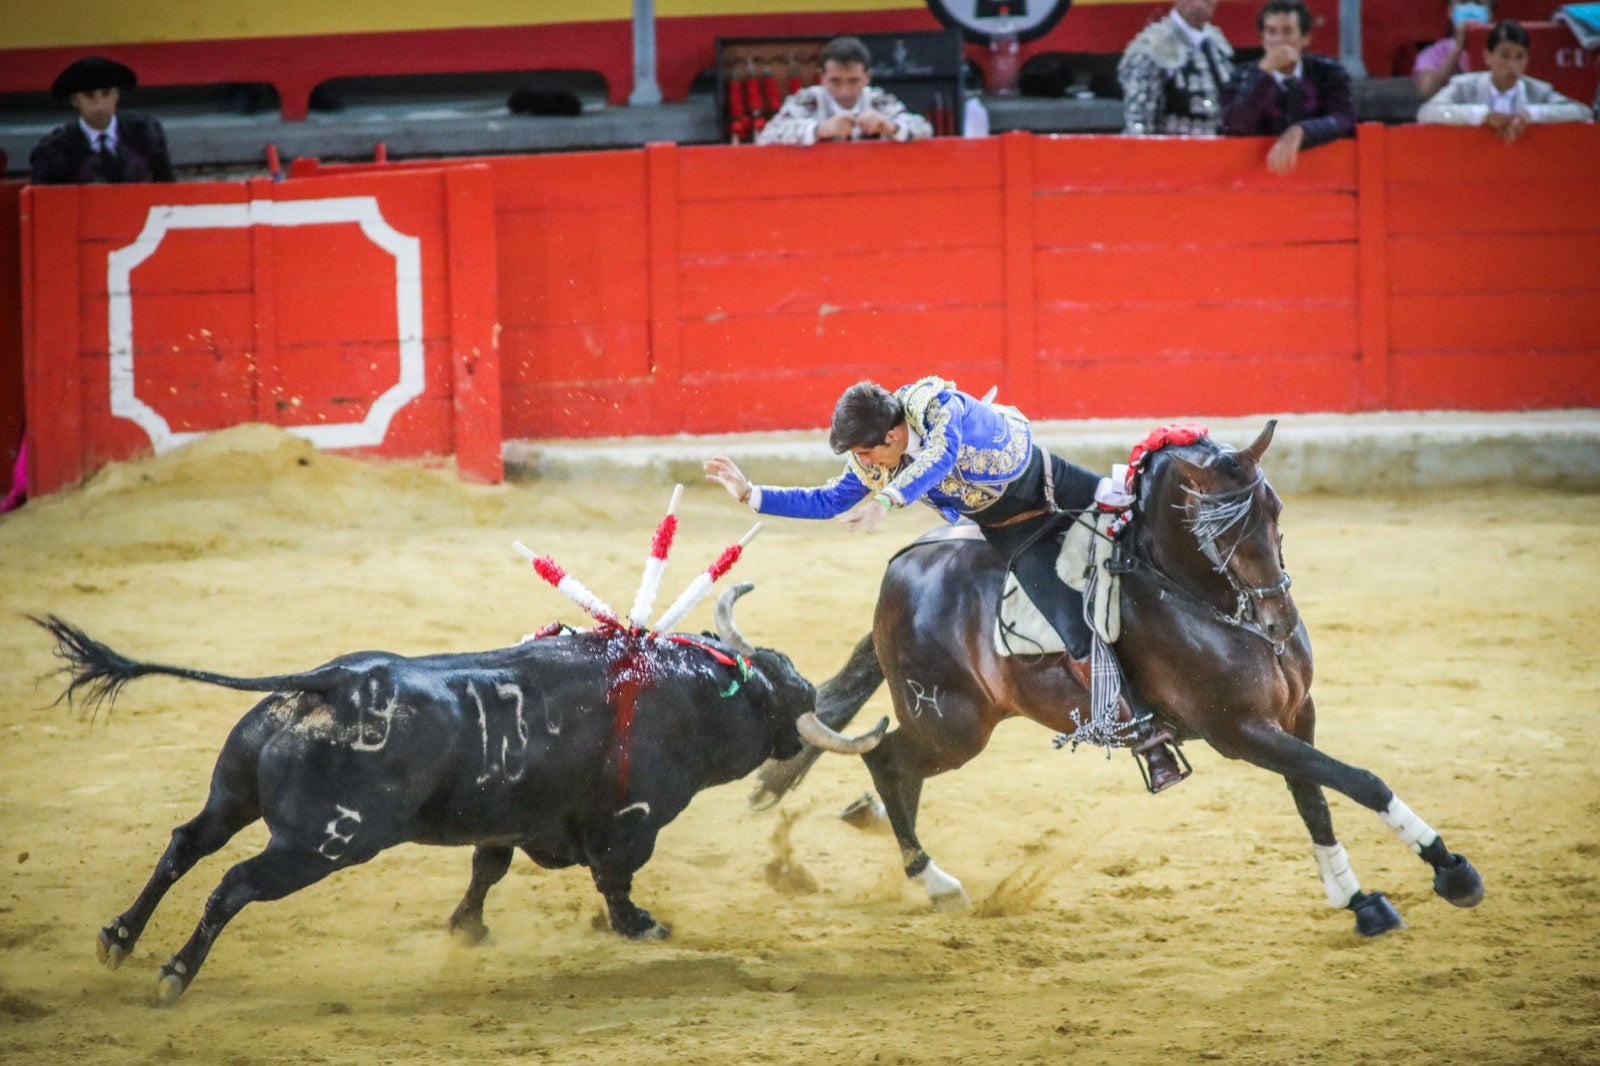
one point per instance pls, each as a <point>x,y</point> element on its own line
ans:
<point>965,458</point>
<point>845,107</point>
<point>1173,74</point>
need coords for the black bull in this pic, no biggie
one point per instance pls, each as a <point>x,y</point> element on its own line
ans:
<point>577,749</point>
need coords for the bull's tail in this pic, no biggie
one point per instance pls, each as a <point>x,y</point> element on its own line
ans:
<point>98,673</point>
<point>838,700</point>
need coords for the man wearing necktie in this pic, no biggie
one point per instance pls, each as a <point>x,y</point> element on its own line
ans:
<point>102,146</point>
<point>1174,72</point>
<point>1303,100</point>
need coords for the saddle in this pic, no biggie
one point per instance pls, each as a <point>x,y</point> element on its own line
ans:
<point>1086,549</point>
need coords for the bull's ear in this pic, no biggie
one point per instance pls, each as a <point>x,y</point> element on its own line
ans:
<point>1259,447</point>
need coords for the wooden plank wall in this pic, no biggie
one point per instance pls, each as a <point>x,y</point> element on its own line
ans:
<point>1494,269</point>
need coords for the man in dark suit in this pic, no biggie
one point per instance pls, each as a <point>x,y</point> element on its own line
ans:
<point>1304,100</point>
<point>101,146</point>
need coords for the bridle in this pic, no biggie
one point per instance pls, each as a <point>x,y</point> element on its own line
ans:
<point>1218,513</point>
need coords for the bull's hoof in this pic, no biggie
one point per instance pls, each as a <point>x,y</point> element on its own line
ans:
<point>172,983</point>
<point>1375,915</point>
<point>469,933</point>
<point>113,945</point>
<point>1458,882</point>
<point>868,812</point>
<point>655,931</point>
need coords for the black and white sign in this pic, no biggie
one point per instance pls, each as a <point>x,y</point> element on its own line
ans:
<point>979,19</point>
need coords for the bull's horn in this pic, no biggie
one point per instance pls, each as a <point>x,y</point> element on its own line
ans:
<point>1259,446</point>
<point>725,628</point>
<point>818,734</point>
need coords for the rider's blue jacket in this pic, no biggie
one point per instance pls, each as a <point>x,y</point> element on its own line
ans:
<point>961,454</point>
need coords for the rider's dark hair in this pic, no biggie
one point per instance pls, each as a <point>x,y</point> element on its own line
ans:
<point>1297,8</point>
<point>845,51</point>
<point>1507,30</point>
<point>864,416</point>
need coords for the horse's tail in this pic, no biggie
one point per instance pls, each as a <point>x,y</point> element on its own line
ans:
<point>838,700</point>
<point>99,673</point>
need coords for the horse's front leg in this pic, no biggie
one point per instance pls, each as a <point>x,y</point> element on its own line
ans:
<point>1374,913</point>
<point>1307,770</point>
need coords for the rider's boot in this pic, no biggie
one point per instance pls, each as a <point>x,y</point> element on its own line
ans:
<point>1158,762</point>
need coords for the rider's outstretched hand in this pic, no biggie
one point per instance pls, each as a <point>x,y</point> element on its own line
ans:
<point>865,518</point>
<point>725,473</point>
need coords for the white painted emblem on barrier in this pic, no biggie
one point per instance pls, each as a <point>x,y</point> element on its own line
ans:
<point>362,210</point>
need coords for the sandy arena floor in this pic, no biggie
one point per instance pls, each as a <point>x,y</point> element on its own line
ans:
<point>1457,658</point>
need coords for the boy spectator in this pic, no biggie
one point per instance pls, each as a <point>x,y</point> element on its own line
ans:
<point>845,107</point>
<point>101,146</point>
<point>1302,99</point>
<point>1444,59</point>
<point>1173,73</point>
<point>1503,97</point>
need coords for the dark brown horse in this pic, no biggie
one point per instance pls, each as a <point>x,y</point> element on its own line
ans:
<point>1211,642</point>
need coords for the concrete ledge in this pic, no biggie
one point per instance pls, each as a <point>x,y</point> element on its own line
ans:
<point>1310,453</point>
<point>469,125</point>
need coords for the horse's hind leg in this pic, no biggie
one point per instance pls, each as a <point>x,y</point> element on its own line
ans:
<point>489,865</point>
<point>899,765</point>
<point>273,874</point>
<point>228,809</point>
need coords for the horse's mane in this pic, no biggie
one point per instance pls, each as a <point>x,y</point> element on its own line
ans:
<point>1216,513</point>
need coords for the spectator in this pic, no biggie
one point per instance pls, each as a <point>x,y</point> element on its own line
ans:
<point>1502,97</point>
<point>1304,100</point>
<point>845,107</point>
<point>1173,73</point>
<point>1445,58</point>
<point>102,146</point>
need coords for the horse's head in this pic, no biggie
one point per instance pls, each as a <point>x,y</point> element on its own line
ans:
<point>1229,520</point>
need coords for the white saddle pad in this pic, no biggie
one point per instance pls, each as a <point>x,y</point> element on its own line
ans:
<point>1021,629</point>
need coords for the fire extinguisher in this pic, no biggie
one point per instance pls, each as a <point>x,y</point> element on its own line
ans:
<point>738,114</point>
<point>771,91</point>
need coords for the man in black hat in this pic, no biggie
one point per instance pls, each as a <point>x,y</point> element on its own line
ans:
<point>102,146</point>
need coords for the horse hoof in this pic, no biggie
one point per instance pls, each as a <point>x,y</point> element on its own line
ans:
<point>951,901</point>
<point>1458,882</point>
<point>1375,915</point>
<point>169,989</point>
<point>110,946</point>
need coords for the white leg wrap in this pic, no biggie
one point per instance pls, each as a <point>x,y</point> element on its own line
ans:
<point>1337,877</point>
<point>1404,821</point>
<point>939,884</point>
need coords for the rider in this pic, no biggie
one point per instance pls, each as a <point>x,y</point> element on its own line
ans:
<point>965,458</point>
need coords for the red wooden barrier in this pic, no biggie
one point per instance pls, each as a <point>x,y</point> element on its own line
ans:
<point>355,311</point>
<point>10,330</point>
<point>714,289</point>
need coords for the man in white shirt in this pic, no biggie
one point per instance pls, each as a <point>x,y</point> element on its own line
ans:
<point>1174,72</point>
<point>845,107</point>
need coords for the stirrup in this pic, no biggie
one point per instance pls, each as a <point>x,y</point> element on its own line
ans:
<point>1141,756</point>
